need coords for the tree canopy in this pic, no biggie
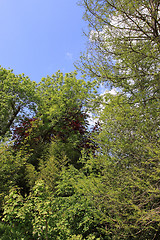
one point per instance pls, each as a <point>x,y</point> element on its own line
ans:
<point>17,97</point>
<point>64,179</point>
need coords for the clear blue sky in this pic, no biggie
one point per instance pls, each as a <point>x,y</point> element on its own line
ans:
<point>39,37</point>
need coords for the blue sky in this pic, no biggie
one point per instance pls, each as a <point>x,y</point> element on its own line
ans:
<point>40,37</point>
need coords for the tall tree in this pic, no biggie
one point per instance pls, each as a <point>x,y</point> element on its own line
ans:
<point>62,113</point>
<point>124,44</point>
<point>17,99</point>
<point>123,52</point>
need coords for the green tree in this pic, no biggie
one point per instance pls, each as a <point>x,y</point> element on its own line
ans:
<point>61,117</point>
<point>124,53</point>
<point>65,214</point>
<point>49,139</point>
<point>17,99</point>
<point>124,45</point>
<point>13,170</point>
<point>128,169</point>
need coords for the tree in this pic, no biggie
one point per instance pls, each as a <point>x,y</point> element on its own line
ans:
<point>12,170</point>
<point>17,97</point>
<point>130,148</point>
<point>43,143</point>
<point>55,133</point>
<point>114,192</point>
<point>64,214</point>
<point>124,44</point>
<point>61,117</point>
<point>124,53</point>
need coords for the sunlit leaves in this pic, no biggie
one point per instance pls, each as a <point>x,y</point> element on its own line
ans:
<point>17,99</point>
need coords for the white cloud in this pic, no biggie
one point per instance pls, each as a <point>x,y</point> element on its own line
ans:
<point>92,119</point>
<point>113,91</point>
<point>69,56</point>
<point>124,27</point>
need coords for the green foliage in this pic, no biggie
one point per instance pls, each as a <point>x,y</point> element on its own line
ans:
<point>32,217</point>
<point>51,166</point>
<point>131,145</point>
<point>53,187</point>
<point>62,108</point>
<point>33,166</point>
<point>124,53</point>
<point>17,96</point>
<point>11,169</point>
<point>63,215</point>
<point>62,102</point>
<point>123,44</point>
<point>60,92</point>
<point>14,214</point>
<point>80,216</point>
<point>122,181</point>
